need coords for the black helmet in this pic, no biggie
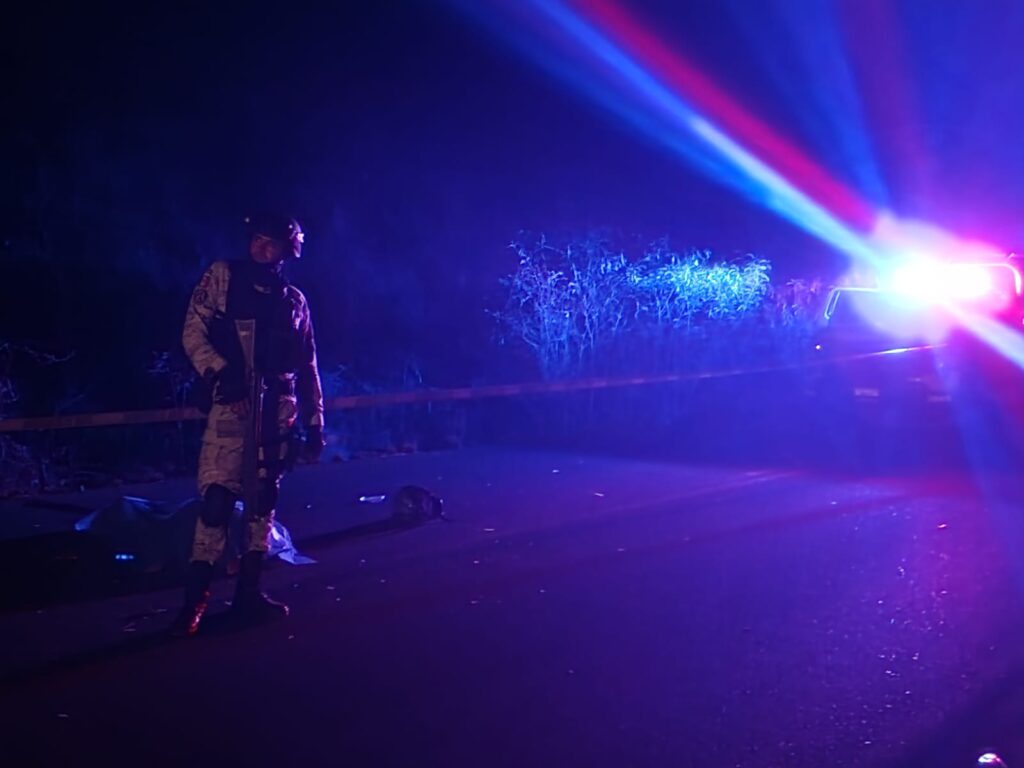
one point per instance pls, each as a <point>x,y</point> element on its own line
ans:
<point>276,227</point>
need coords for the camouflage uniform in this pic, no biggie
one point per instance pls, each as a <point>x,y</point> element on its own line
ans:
<point>293,392</point>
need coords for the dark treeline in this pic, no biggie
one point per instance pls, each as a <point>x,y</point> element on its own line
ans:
<point>412,146</point>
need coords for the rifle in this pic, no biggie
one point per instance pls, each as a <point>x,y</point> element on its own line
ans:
<point>246,330</point>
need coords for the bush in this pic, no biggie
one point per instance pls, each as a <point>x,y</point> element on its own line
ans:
<point>585,306</point>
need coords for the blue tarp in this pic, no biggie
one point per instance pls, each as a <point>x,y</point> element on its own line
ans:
<point>156,535</point>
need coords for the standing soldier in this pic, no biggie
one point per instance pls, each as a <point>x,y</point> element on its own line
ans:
<point>249,334</point>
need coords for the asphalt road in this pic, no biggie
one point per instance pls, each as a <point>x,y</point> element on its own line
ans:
<point>577,610</point>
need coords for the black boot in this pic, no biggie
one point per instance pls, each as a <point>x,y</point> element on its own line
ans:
<point>197,593</point>
<point>250,604</point>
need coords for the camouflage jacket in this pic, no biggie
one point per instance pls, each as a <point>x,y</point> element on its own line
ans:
<point>209,306</point>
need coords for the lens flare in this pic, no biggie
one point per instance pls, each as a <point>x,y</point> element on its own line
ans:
<point>602,50</point>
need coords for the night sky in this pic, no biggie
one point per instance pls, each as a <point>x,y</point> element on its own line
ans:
<point>414,144</point>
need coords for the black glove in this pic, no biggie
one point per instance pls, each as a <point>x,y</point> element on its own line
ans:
<point>314,445</point>
<point>230,386</point>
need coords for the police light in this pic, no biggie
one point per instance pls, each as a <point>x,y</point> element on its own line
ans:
<point>967,283</point>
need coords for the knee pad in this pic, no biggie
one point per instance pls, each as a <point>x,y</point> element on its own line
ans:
<point>218,504</point>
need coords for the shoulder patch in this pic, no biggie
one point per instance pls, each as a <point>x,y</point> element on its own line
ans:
<point>211,284</point>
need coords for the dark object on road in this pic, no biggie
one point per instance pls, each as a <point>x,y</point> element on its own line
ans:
<point>412,505</point>
<point>150,535</point>
<point>129,545</point>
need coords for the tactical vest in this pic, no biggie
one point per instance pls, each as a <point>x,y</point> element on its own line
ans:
<point>256,292</point>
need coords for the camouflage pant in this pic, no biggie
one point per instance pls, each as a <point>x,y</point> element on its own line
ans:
<point>220,463</point>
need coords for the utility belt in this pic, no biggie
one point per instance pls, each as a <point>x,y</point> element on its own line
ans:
<point>275,387</point>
